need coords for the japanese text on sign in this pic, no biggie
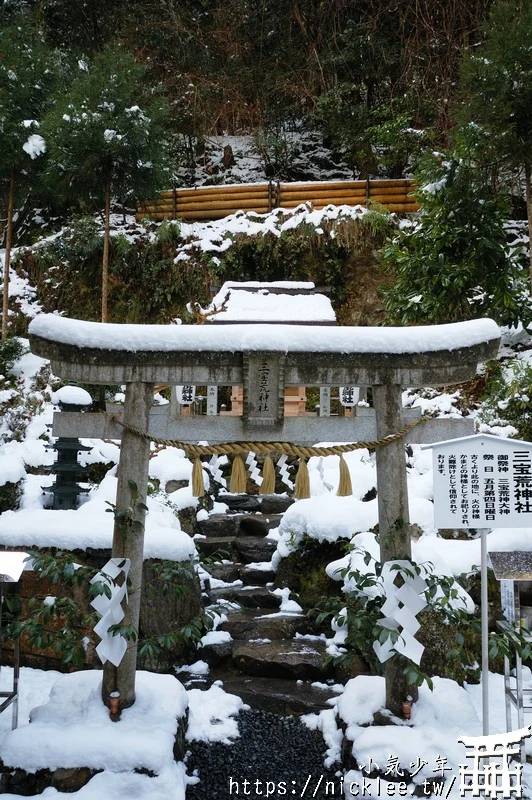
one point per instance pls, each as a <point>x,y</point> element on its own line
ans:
<point>483,482</point>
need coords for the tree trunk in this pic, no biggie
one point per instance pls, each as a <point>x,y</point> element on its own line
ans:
<point>128,541</point>
<point>528,194</point>
<point>105,259</point>
<point>394,524</point>
<point>9,241</point>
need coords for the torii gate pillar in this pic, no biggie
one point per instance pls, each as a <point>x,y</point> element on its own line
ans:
<point>128,534</point>
<point>394,520</point>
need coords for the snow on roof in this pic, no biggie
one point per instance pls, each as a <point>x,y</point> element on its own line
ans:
<point>279,338</point>
<point>72,395</point>
<point>253,301</point>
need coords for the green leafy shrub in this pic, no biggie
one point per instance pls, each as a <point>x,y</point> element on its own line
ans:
<point>146,284</point>
<point>9,496</point>
<point>454,262</point>
<point>59,620</point>
<point>509,400</point>
<point>10,350</point>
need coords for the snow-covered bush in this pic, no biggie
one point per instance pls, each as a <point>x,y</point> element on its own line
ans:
<point>509,400</point>
<point>454,262</point>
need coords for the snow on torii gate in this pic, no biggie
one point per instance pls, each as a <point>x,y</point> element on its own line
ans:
<point>264,358</point>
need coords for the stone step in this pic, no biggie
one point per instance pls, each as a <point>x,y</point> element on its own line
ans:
<point>228,525</point>
<point>219,525</point>
<point>247,596</point>
<point>265,503</point>
<point>277,695</point>
<point>221,545</point>
<point>230,572</point>
<point>275,503</point>
<point>254,548</point>
<point>257,524</point>
<point>241,502</point>
<point>245,625</point>
<point>295,660</point>
<point>252,576</point>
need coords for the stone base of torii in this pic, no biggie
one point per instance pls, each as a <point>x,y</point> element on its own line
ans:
<point>263,360</point>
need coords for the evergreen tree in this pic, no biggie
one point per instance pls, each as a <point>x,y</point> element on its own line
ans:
<point>108,138</point>
<point>454,262</point>
<point>497,92</point>
<point>28,73</point>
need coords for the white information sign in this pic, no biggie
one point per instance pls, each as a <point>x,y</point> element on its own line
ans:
<point>509,600</point>
<point>482,482</point>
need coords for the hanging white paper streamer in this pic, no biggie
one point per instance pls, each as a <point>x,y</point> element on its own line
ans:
<point>111,648</point>
<point>321,473</point>
<point>399,612</point>
<point>283,472</point>
<point>215,465</point>
<point>253,466</point>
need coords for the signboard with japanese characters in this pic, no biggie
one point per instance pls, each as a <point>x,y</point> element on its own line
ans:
<point>212,401</point>
<point>482,481</point>
<point>185,395</point>
<point>262,387</point>
<point>510,600</point>
<point>348,395</point>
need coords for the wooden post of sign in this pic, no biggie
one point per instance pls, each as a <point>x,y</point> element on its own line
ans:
<point>394,523</point>
<point>128,536</point>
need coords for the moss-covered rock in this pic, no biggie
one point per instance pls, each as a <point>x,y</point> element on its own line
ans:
<point>303,572</point>
<point>450,650</point>
<point>10,496</point>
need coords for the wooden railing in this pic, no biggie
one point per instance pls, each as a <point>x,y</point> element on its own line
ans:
<point>215,202</point>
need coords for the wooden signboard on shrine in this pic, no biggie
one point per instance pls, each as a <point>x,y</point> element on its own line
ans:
<point>482,481</point>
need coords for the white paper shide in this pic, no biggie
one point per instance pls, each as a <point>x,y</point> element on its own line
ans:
<point>112,647</point>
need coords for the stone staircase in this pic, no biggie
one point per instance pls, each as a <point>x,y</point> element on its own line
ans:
<point>262,662</point>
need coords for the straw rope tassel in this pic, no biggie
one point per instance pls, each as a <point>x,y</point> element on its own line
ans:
<point>302,484</point>
<point>238,476</point>
<point>344,486</point>
<point>198,486</point>
<point>268,477</point>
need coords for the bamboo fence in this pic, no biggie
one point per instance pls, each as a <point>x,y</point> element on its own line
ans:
<point>215,202</point>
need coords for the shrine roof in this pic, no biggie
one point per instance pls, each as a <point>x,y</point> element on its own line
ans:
<point>278,302</point>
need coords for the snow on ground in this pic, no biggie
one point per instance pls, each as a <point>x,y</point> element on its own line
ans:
<point>73,729</point>
<point>309,159</point>
<point>212,715</point>
<point>91,525</point>
<point>427,744</point>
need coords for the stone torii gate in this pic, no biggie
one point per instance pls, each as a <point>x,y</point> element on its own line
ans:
<point>263,358</point>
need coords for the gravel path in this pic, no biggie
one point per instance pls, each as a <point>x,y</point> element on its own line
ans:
<point>277,756</point>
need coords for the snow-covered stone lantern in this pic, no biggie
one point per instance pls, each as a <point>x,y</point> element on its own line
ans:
<point>66,490</point>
